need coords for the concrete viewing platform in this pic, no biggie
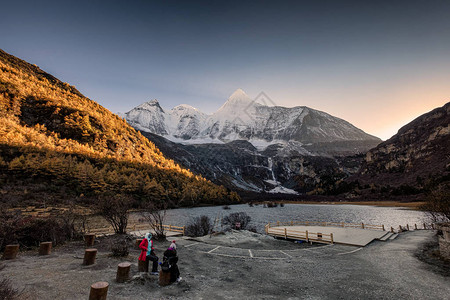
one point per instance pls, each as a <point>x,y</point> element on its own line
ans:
<point>347,236</point>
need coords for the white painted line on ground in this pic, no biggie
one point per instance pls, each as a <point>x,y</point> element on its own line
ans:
<point>250,252</point>
<point>254,257</point>
<point>285,253</point>
<point>317,248</point>
<point>349,251</point>
<point>191,245</point>
<point>213,249</point>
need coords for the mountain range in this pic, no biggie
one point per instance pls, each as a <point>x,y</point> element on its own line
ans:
<point>250,146</point>
<point>300,128</point>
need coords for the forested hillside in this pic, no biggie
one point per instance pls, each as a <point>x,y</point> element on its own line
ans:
<point>57,145</point>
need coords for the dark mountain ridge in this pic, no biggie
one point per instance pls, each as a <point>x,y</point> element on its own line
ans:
<point>413,161</point>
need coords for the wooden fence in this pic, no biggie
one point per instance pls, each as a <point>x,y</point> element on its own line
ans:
<point>327,224</point>
<point>109,229</point>
<point>307,236</point>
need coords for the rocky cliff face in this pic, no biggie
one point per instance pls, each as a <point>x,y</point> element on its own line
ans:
<point>418,155</point>
<point>241,166</point>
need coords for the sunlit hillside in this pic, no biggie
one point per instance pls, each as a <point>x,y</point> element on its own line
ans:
<point>58,144</point>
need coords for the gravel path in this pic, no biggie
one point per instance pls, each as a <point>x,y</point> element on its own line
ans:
<point>381,270</point>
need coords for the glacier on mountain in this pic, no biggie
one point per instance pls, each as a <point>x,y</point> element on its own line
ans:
<point>242,118</point>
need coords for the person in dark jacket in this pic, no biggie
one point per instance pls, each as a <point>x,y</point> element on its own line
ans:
<point>169,264</point>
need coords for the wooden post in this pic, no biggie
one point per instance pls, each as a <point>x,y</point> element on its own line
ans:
<point>407,227</point>
<point>331,236</point>
<point>138,242</point>
<point>164,278</point>
<point>292,223</point>
<point>170,227</point>
<point>362,225</point>
<point>382,226</point>
<point>123,272</point>
<point>89,239</point>
<point>99,291</point>
<point>400,228</point>
<point>89,256</point>
<point>307,237</point>
<point>424,226</point>
<point>342,224</point>
<point>11,251</point>
<point>392,229</point>
<point>278,223</point>
<point>143,265</point>
<point>415,226</point>
<point>285,233</point>
<point>45,248</point>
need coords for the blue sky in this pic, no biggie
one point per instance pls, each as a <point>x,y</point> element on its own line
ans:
<point>376,64</point>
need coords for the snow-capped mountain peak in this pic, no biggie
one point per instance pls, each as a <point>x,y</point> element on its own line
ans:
<point>241,118</point>
<point>150,105</point>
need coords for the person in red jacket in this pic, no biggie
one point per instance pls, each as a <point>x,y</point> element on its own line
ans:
<point>148,252</point>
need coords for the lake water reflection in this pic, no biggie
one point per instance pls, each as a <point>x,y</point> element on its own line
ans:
<point>389,216</point>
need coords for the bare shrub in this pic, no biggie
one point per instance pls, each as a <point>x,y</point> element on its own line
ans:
<point>119,248</point>
<point>437,204</point>
<point>238,220</point>
<point>40,230</point>
<point>10,222</point>
<point>30,231</point>
<point>154,215</point>
<point>115,210</point>
<point>199,226</point>
<point>73,224</point>
<point>7,292</point>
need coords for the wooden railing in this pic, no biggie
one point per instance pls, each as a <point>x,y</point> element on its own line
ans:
<point>327,224</point>
<point>109,229</point>
<point>174,228</point>
<point>307,236</point>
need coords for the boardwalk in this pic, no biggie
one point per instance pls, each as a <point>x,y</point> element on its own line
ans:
<point>347,236</point>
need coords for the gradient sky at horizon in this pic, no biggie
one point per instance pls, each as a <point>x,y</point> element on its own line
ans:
<point>376,64</point>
